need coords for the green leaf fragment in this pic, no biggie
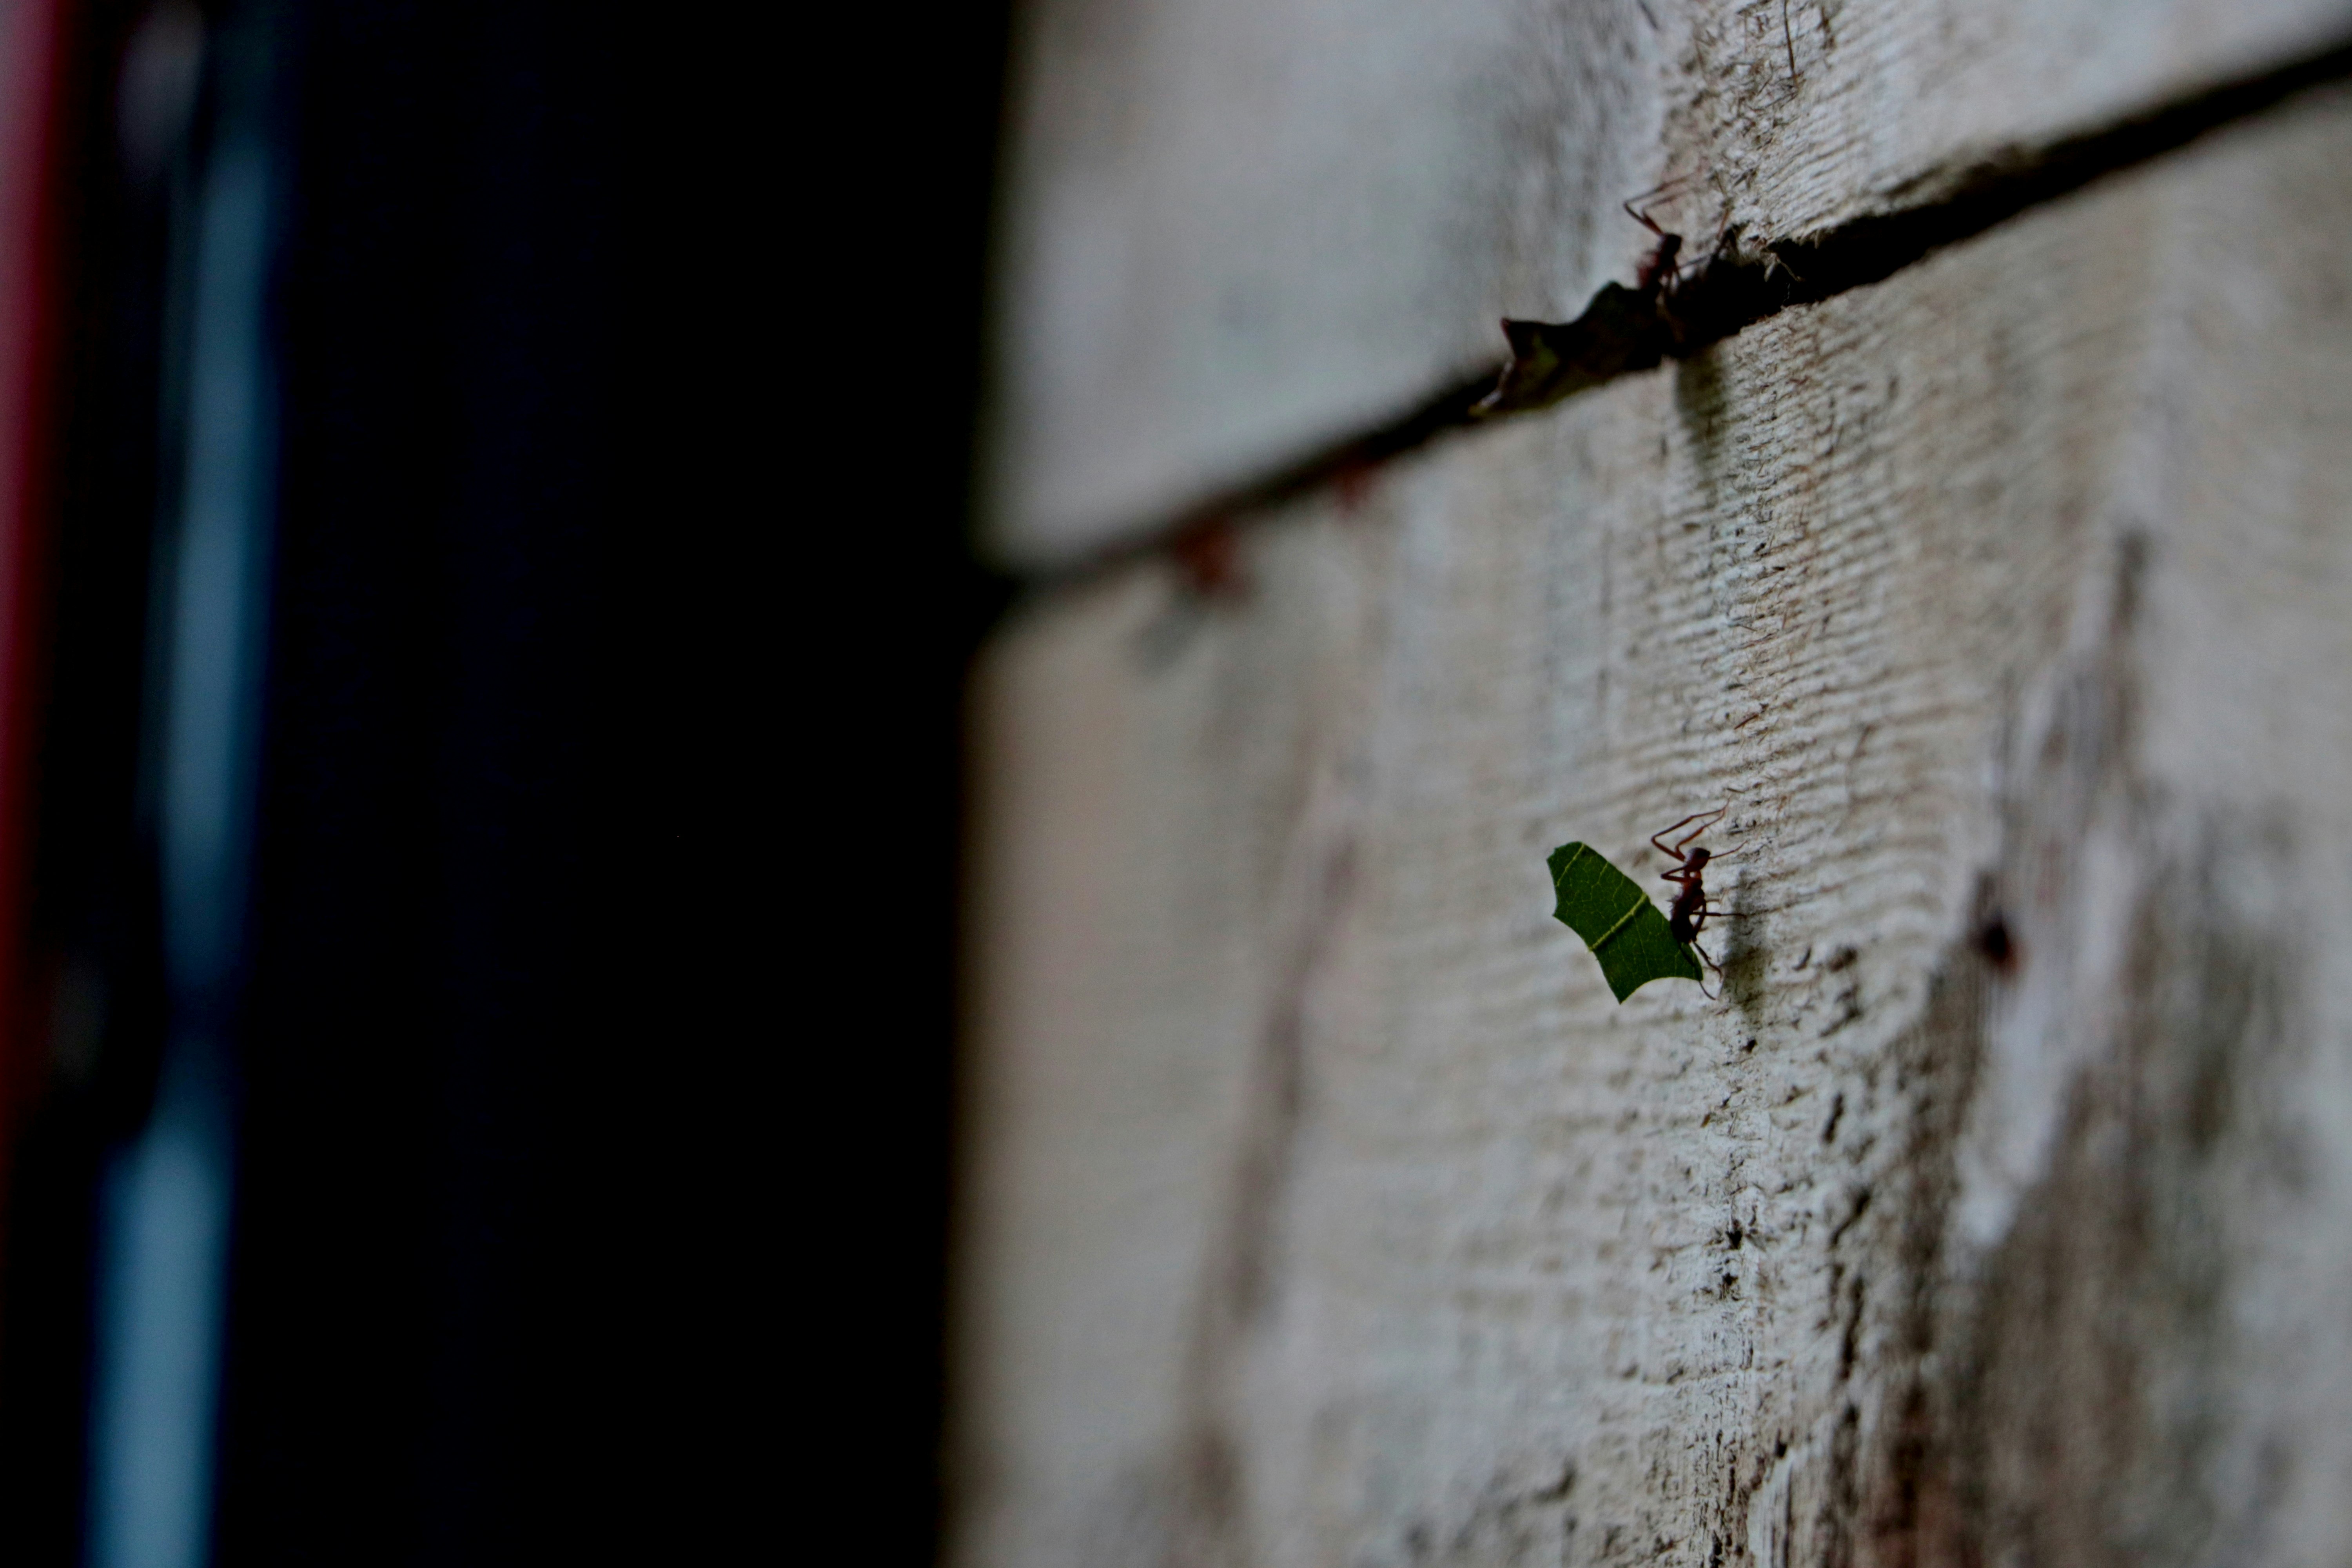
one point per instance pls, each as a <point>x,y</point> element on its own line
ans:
<point>1617,920</point>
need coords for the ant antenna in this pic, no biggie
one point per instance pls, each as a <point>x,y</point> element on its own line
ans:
<point>1641,216</point>
<point>1706,819</point>
<point>1659,189</point>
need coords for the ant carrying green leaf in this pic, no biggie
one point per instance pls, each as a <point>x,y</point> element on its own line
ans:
<point>1633,940</point>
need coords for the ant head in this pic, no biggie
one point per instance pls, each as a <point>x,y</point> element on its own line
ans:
<point>1699,857</point>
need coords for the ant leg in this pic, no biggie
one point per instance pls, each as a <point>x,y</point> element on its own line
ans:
<point>1716,994</point>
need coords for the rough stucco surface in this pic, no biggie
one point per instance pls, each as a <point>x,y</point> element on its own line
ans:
<point>1320,1206</point>
<point>1235,228</point>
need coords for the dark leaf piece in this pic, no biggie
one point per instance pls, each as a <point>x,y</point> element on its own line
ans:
<point>1622,329</point>
<point>1617,920</point>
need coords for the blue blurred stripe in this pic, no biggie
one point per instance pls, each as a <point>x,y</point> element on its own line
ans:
<point>164,1202</point>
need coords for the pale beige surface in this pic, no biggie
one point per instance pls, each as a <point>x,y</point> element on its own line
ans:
<point>1322,1208</point>
<point>1235,228</point>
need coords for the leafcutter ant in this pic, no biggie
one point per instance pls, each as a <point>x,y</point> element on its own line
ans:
<point>1659,270</point>
<point>1207,555</point>
<point>1688,916</point>
<point>1662,270</point>
<point>1660,276</point>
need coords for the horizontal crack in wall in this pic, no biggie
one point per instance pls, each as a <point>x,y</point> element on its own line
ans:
<point>1629,331</point>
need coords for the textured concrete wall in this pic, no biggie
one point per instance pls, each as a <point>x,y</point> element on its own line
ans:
<point>1320,1205</point>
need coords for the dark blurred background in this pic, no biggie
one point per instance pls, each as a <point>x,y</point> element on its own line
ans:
<point>486,602</point>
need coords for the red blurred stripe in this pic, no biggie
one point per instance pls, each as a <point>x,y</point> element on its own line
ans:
<point>34,195</point>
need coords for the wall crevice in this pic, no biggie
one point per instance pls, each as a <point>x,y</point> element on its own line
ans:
<point>1734,289</point>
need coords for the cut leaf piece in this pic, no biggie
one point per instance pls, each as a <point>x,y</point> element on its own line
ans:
<point>1617,920</point>
<point>1621,330</point>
